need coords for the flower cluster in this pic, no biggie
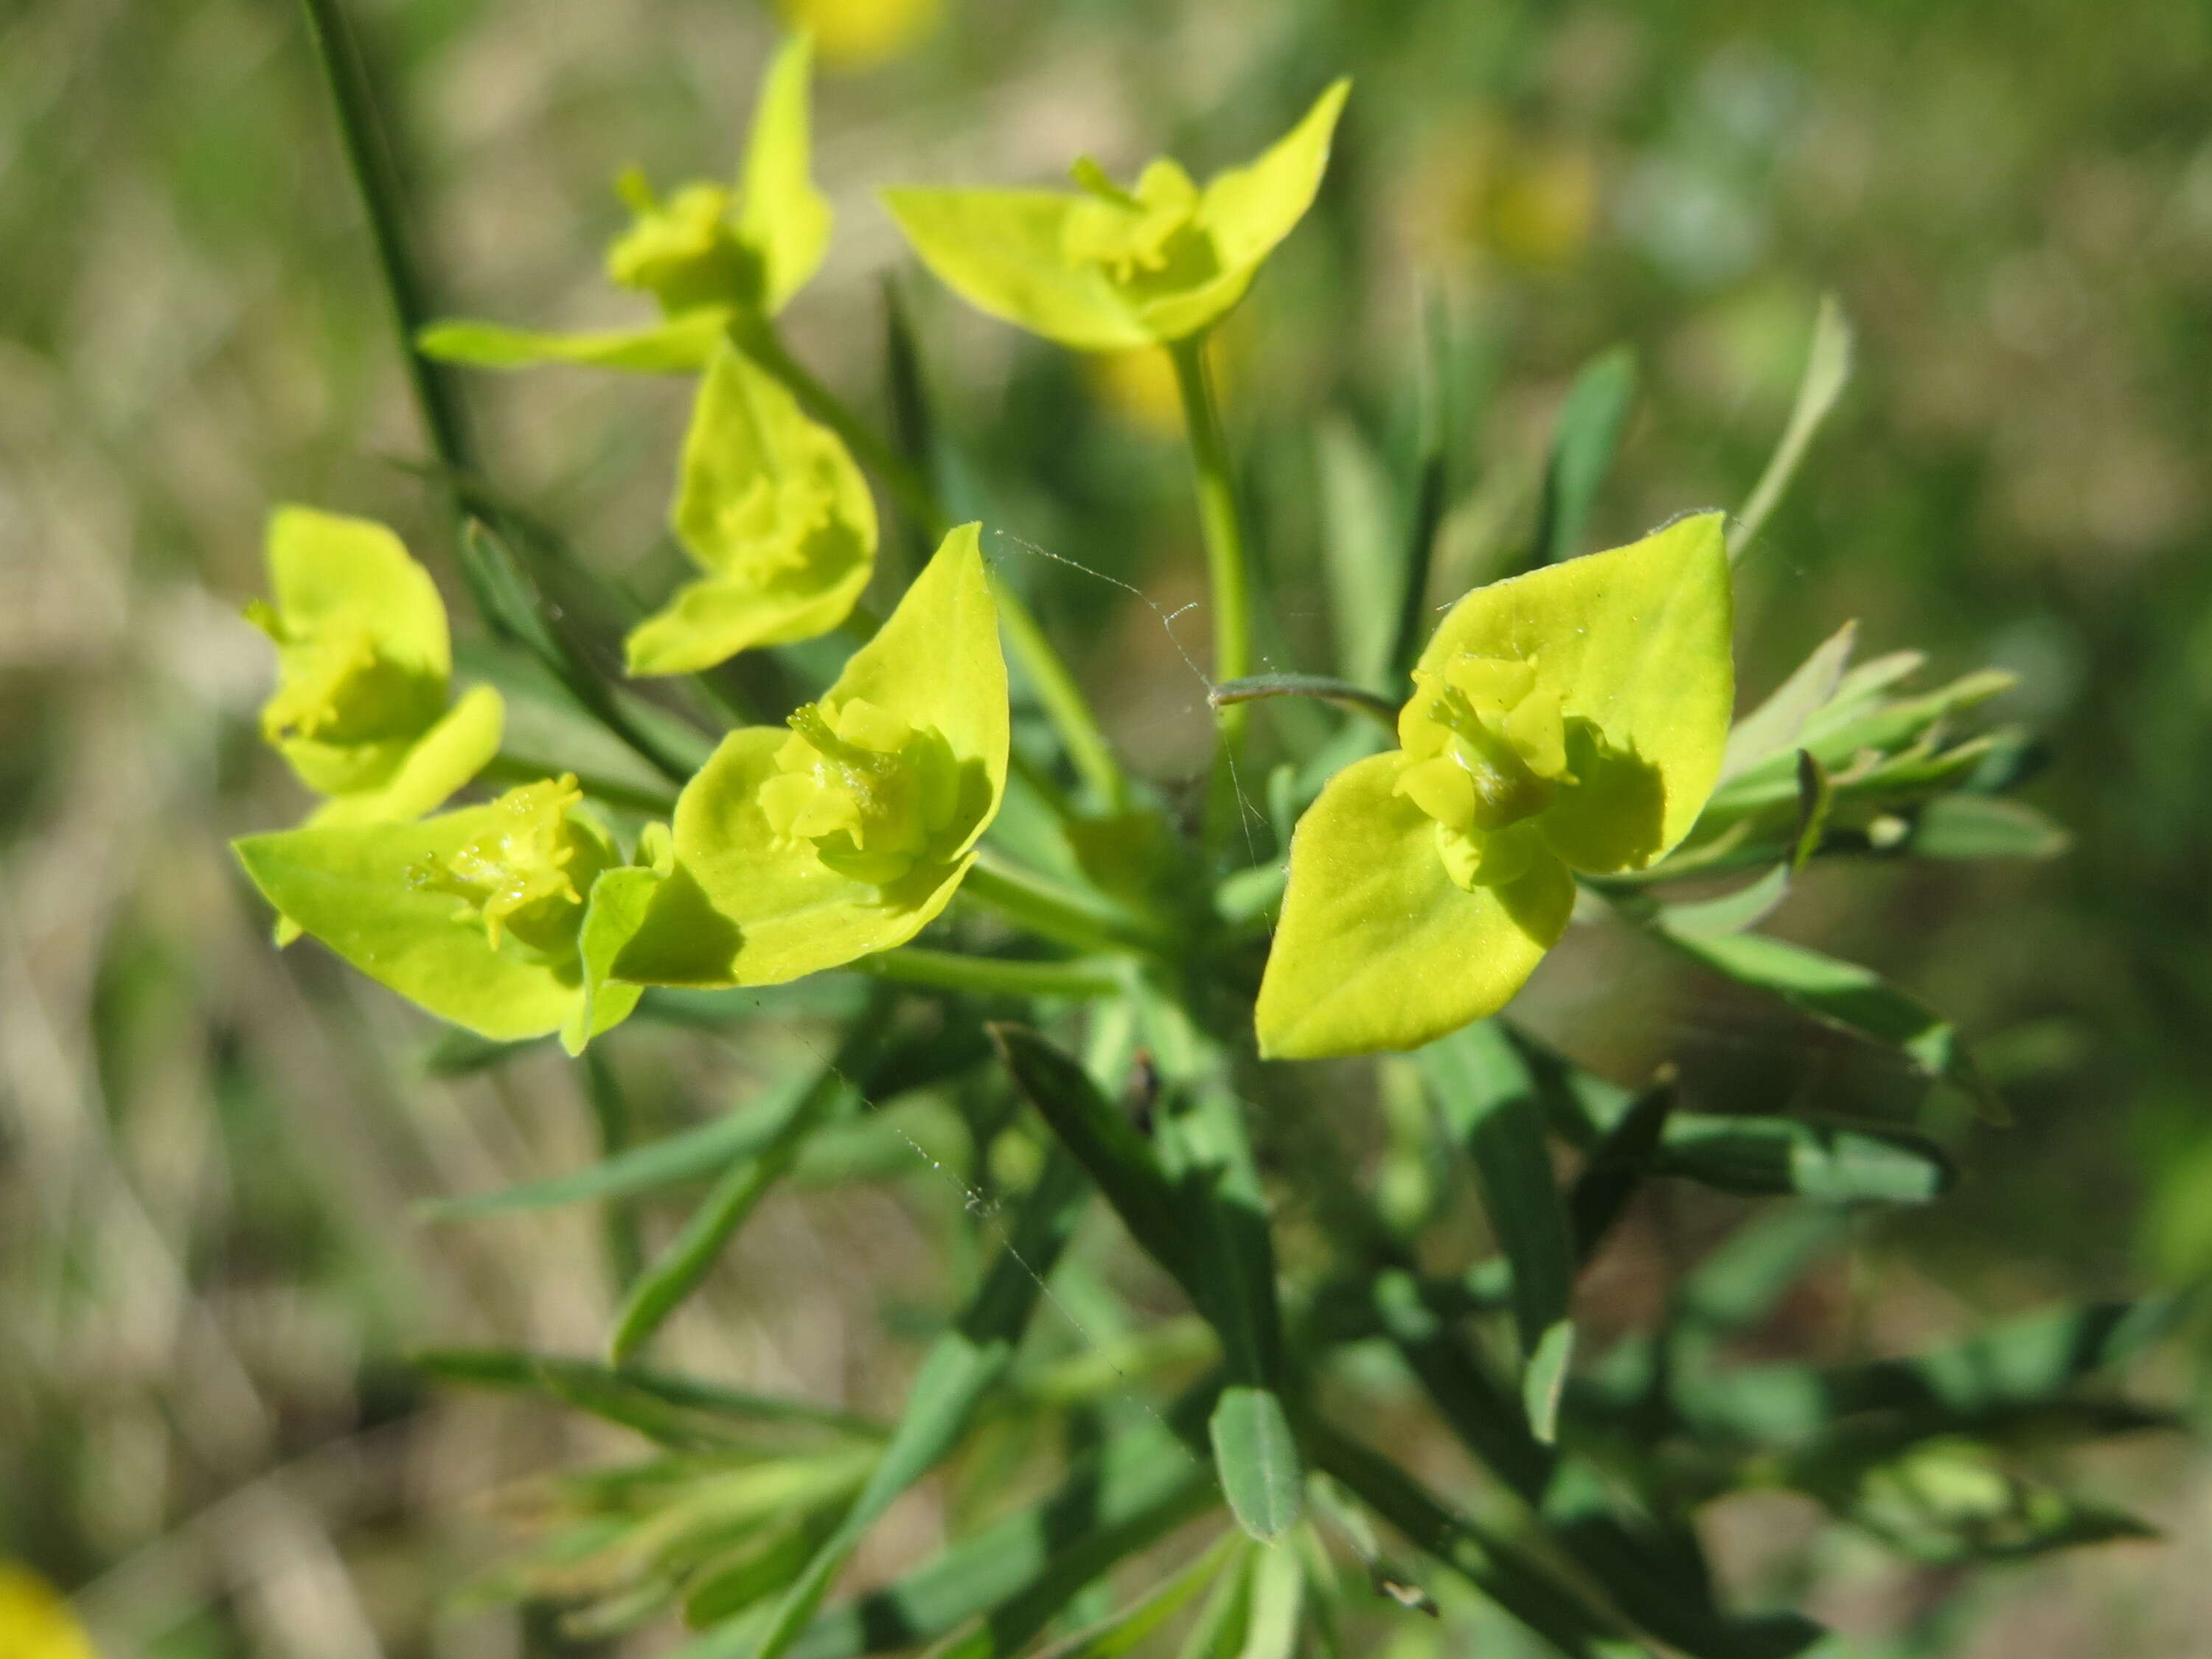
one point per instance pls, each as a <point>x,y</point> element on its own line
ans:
<point>1568,722</point>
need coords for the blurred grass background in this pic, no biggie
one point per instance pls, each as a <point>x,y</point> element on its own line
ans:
<point>209,1153</point>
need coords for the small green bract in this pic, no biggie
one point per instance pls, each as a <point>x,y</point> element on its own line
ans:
<point>1569,720</point>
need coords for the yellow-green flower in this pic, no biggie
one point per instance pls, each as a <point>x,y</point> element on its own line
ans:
<point>35,1622</point>
<point>710,254</point>
<point>503,918</point>
<point>1571,720</point>
<point>771,507</point>
<point>858,35</point>
<point>1109,268</point>
<point>802,848</point>
<point>363,661</point>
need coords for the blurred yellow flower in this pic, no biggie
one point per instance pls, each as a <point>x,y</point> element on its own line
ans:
<point>858,35</point>
<point>1529,201</point>
<point>35,1622</point>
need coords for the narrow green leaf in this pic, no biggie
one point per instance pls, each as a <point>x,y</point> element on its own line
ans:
<point>1209,1160</point>
<point>1106,1143</point>
<point>1018,1573</point>
<point>731,1588</point>
<point>1769,1157</point>
<point>1618,1165</point>
<point>1965,826</point>
<point>1741,1278</point>
<point>1488,1100</point>
<point>1219,1630</point>
<point>1731,913</point>
<point>1548,1605</point>
<point>961,1368</point>
<point>1359,554</point>
<point>1843,995</point>
<point>1258,1458</point>
<point>600,1389</point>
<point>1544,1379</point>
<point>1827,370</point>
<point>1127,1630</point>
<point>1588,436</point>
<point>1278,1594</point>
<point>693,1155</point>
<point>1772,728</point>
<point>676,1272</point>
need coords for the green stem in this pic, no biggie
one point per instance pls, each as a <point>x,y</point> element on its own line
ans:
<point>1228,571</point>
<point>1054,912</point>
<point>611,1115</point>
<point>369,157</point>
<point>1062,699</point>
<point>951,970</point>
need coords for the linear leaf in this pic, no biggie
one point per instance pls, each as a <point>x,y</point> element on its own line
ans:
<point>692,1155</point>
<point>1488,1099</point>
<point>1129,1628</point>
<point>1547,1605</point>
<point>1827,371</point>
<point>676,1272</point>
<point>1965,826</point>
<point>1772,1157</point>
<point>1107,1145</point>
<point>1583,447</point>
<point>1018,1573</point>
<point>1618,1165</point>
<point>961,1367</point>
<point>1843,995</point>
<point>640,1390</point>
<point>1360,558</point>
<point>1772,728</point>
<point>1258,1461</point>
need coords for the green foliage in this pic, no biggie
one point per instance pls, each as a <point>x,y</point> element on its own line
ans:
<point>1564,750</point>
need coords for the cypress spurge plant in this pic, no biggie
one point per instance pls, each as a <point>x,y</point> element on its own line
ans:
<point>1068,983</point>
